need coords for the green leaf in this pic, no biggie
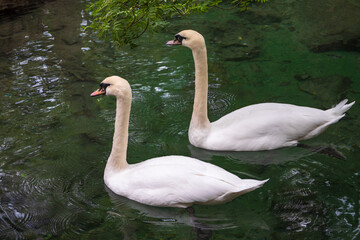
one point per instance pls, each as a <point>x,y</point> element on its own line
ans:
<point>126,20</point>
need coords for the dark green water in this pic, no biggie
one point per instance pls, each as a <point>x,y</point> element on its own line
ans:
<point>55,139</point>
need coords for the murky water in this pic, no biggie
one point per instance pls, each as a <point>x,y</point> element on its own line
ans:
<point>55,139</point>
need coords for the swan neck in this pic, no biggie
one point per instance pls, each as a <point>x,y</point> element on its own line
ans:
<point>117,158</point>
<point>199,115</point>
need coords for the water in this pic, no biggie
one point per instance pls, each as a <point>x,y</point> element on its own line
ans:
<point>55,139</point>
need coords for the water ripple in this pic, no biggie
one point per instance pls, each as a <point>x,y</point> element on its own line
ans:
<point>220,103</point>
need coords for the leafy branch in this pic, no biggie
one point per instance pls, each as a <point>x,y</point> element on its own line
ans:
<point>126,20</point>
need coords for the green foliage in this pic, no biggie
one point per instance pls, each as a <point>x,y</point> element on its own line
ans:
<point>126,20</point>
<point>244,4</point>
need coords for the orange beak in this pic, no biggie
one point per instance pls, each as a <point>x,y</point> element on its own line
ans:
<point>173,42</point>
<point>100,91</point>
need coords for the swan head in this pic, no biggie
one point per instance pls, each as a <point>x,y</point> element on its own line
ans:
<point>188,38</point>
<point>114,86</point>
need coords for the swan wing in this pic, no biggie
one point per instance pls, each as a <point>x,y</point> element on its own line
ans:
<point>179,182</point>
<point>266,126</point>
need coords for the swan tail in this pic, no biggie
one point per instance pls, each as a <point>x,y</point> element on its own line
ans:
<point>249,185</point>
<point>335,114</point>
<point>341,108</point>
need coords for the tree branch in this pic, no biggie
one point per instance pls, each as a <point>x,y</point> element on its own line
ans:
<point>147,25</point>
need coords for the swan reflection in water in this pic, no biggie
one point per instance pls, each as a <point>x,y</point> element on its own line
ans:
<point>203,223</point>
<point>277,156</point>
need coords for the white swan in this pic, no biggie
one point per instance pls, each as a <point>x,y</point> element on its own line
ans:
<point>256,127</point>
<point>171,181</point>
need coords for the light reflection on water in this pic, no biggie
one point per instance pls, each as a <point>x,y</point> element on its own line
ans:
<point>55,139</point>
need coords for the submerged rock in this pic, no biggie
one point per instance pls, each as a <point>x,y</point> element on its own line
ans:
<point>18,6</point>
<point>302,77</point>
<point>237,47</point>
<point>329,89</point>
<point>327,25</point>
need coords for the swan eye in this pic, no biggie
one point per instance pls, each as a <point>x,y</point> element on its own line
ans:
<point>179,38</point>
<point>104,85</point>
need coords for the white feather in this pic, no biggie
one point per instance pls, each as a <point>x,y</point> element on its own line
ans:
<point>268,126</point>
<point>178,181</point>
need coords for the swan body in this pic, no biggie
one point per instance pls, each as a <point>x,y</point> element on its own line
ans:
<point>169,181</point>
<point>178,181</point>
<point>263,126</point>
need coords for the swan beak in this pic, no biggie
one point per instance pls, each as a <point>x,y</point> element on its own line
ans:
<point>100,91</point>
<point>173,42</point>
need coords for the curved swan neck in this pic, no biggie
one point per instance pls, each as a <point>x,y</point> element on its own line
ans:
<point>199,115</point>
<point>117,158</point>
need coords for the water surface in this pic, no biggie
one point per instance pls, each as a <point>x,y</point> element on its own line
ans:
<point>55,139</point>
